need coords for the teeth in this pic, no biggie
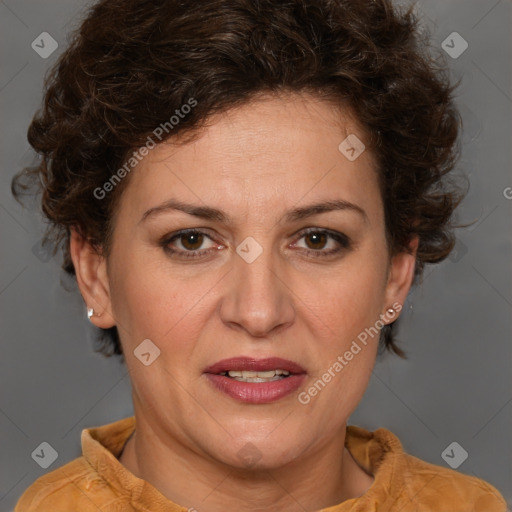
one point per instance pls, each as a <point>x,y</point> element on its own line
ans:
<point>264,375</point>
<point>251,376</point>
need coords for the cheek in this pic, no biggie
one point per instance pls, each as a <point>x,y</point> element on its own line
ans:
<point>152,300</point>
<point>344,356</point>
<point>347,300</point>
<point>145,304</point>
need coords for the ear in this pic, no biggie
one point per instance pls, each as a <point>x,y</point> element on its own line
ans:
<point>401,275</point>
<point>92,278</point>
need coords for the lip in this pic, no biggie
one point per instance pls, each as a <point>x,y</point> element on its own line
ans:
<point>255,392</point>
<point>255,365</point>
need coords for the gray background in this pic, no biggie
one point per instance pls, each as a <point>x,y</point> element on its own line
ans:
<point>456,385</point>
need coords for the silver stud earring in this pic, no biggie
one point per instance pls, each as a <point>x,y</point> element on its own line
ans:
<point>90,312</point>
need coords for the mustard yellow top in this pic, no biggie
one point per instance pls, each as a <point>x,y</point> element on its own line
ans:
<point>98,481</point>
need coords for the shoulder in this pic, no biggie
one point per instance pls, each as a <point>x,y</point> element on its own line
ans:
<point>428,485</point>
<point>73,486</point>
<point>409,484</point>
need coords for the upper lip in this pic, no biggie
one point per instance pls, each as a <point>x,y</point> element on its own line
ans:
<point>256,365</point>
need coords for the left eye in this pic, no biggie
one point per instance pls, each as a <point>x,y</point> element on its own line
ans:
<point>317,240</point>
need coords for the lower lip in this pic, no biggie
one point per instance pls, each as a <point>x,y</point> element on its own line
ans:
<point>256,392</point>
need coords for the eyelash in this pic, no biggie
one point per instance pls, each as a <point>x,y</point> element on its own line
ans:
<point>342,239</point>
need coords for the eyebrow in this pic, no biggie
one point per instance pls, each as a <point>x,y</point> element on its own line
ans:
<point>208,213</point>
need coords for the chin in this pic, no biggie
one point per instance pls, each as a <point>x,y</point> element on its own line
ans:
<point>250,458</point>
<point>256,453</point>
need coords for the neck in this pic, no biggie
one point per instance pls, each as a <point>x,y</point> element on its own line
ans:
<point>323,479</point>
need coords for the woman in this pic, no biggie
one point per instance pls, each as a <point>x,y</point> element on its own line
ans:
<point>245,192</point>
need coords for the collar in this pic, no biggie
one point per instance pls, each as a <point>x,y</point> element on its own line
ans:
<point>379,453</point>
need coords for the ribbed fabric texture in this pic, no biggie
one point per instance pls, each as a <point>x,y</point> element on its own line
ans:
<point>98,481</point>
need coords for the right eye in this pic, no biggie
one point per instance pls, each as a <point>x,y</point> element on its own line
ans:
<point>190,240</point>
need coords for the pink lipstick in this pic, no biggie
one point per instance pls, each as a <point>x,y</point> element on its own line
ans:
<point>256,381</point>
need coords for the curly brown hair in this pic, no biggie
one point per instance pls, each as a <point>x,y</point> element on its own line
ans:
<point>132,63</point>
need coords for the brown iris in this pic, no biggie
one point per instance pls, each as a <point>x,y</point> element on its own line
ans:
<point>319,239</point>
<point>196,240</point>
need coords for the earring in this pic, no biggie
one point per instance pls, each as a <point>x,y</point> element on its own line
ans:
<point>90,312</point>
<point>391,312</point>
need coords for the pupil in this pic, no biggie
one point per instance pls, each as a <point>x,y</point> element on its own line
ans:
<point>319,237</point>
<point>192,236</point>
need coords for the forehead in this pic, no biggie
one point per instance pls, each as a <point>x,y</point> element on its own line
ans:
<point>266,154</point>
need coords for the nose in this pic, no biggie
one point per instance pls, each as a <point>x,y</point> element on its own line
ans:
<point>256,298</point>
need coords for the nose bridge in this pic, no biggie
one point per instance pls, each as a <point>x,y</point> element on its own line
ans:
<point>257,298</point>
<point>256,264</point>
<point>256,269</point>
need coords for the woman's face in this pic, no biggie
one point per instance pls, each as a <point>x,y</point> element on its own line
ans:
<point>253,284</point>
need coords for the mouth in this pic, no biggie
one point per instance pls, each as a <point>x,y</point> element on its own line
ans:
<point>250,376</point>
<point>256,380</point>
<point>250,368</point>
